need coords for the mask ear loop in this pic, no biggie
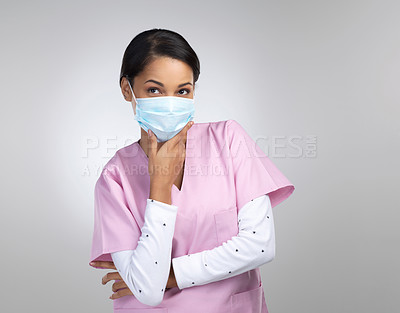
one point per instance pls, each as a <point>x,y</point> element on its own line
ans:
<point>131,89</point>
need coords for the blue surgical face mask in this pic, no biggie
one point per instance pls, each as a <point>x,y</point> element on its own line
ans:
<point>165,116</point>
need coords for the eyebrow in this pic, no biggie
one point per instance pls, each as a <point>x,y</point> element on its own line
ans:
<point>162,85</point>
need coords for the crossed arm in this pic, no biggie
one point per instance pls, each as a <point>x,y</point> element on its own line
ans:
<point>146,269</point>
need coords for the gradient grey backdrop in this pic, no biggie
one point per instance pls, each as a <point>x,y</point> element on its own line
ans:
<point>283,69</point>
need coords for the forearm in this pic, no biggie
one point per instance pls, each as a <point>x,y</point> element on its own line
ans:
<point>252,247</point>
<point>146,269</point>
<point>160,191</point>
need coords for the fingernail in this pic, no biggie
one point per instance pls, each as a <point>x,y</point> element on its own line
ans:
<point>150,132</point>
<point>91,263</point>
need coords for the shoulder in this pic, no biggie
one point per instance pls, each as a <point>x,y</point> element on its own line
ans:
<point>217,128</point>
<point>217,124</point>
<point>232,130</point>
<point>114,167</point>
<point>226,133</point>
<point>122,159</point>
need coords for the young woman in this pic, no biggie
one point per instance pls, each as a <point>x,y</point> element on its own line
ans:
<point>184,214</point>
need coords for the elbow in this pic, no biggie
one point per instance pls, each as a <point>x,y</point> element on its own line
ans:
<point>152,298</point>
<point>269,253</point>
<point>148,292</point>
<point>272,254</point>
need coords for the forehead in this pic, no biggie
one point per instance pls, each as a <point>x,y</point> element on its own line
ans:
<point>167,69</point>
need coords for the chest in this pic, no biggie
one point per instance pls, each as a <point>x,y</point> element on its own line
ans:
<point>205,194</point>
<point>207,213</point>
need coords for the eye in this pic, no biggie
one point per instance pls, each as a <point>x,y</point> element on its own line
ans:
<point>151,89</point>
<point>187,91</point>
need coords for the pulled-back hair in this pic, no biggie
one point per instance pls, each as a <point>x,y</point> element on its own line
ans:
<point>153,43</point>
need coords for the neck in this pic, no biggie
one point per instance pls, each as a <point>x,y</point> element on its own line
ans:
<point>144,142</point>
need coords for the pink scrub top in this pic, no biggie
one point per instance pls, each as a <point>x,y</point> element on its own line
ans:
<point>224,169</point>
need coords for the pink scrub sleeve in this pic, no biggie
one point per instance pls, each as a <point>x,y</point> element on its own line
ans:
<point>254,173</point>
<point>115,227</point>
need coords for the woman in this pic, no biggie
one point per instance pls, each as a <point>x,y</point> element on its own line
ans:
<point>184,214</point>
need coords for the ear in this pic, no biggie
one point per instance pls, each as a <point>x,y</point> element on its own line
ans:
<point>126,90</point>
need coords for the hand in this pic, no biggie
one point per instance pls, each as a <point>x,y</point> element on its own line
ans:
<point>119,288</point>
<point>166,163</point>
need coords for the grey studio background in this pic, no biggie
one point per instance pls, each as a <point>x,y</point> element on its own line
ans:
<point>317,81</point>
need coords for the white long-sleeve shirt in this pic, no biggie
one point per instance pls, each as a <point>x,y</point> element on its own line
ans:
<point>253,246</point>
<point>145,270</point>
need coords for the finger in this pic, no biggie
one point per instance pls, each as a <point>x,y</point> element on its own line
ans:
<point>119,285</point>
<point>103,264</point>
<point>182,149</point>
<point>110,276</point>
<point>152,140</point>
<point>182,134</point>
<point>121,293</point>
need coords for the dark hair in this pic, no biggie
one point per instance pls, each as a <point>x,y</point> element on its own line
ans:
<point>153,43</point>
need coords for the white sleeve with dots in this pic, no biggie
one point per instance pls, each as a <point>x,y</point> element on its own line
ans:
<point>252,247</point>
<point>146,269</point>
